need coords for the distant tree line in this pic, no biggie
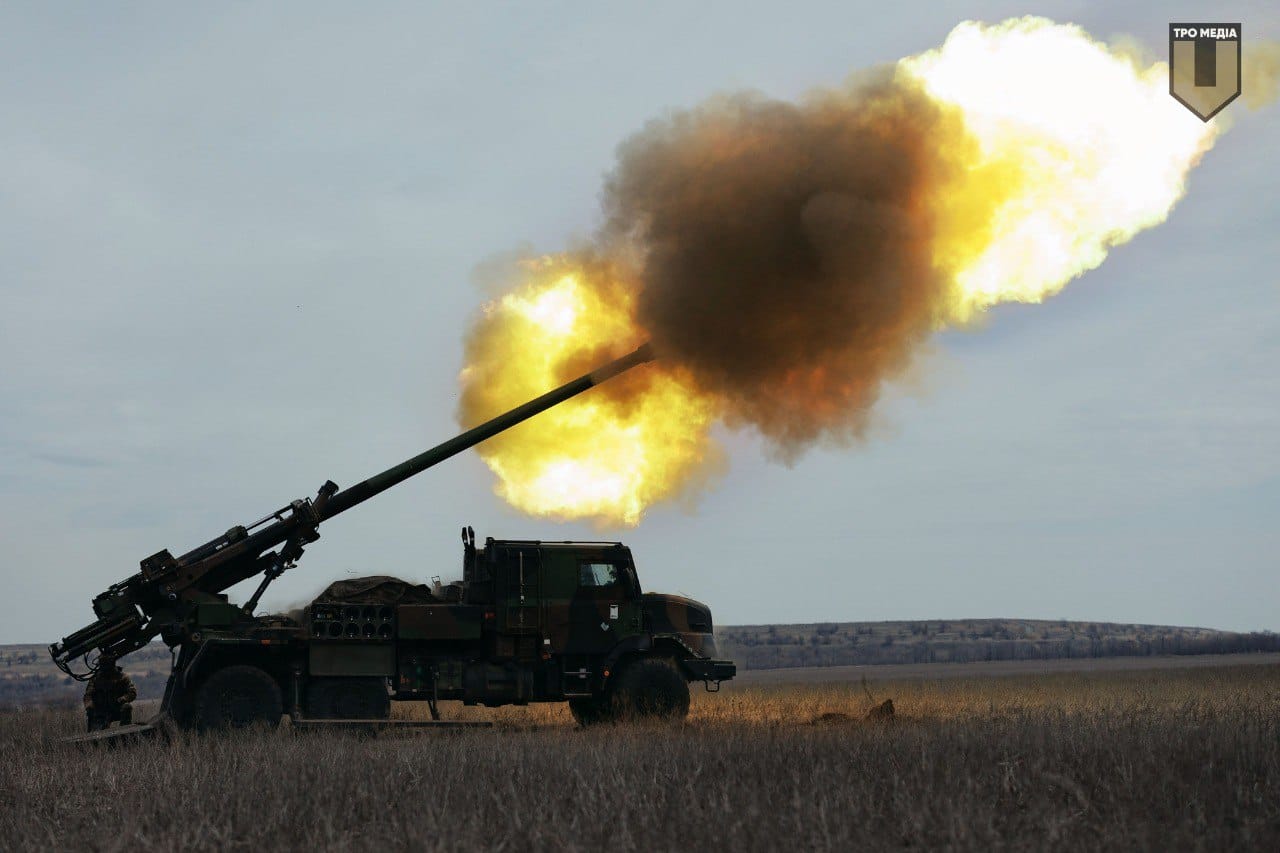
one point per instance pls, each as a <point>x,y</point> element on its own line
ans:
<point>59,690</point>
<point>771,647</point>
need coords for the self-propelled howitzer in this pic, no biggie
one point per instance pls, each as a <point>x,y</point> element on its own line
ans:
<point>162,598</point>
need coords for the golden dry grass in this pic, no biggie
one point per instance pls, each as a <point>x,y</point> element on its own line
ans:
<point>1145,760</point>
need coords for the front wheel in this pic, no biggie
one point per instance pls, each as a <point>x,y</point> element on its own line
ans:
<point>237,697</point>
<point>650,688</point>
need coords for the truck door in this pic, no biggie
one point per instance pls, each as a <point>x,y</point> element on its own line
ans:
<point>520,594</point>
<point>603,609</point>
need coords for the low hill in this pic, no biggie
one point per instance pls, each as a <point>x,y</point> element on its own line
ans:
<point>27,677</point>
<point>968,640</point>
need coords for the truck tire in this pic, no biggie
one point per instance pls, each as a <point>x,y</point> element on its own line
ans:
<point>237,697</point>
<point>650,688</point>
<point>348,699</point>
<point>588,710</point>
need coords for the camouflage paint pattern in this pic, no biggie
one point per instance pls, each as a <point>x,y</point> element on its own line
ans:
<point>537,621</point>
<point>530,622</point>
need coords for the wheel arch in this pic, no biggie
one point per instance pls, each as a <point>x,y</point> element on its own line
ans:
<point>212,656</point>
<point>656,646</point>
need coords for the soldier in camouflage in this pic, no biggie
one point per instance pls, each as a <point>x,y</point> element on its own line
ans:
<point>109,695</point>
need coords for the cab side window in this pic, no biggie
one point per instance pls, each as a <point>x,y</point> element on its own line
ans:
<point>597,574</point>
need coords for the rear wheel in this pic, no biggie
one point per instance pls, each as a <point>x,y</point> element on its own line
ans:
<point>650,688</point>
<point>237,697</point>
<point>348,699</point>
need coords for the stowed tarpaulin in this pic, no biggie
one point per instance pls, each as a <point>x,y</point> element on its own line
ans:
<point>376,589</point>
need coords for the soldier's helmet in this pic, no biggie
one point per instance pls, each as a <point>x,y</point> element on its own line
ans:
<point>107,662</point>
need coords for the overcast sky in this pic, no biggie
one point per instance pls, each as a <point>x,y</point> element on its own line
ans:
<point>236,252</point>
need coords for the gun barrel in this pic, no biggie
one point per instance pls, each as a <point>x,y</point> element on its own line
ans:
<point>361,492</point>
<point>101,634</point>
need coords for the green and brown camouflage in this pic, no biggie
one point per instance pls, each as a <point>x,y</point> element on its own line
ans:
<point>529,621</point>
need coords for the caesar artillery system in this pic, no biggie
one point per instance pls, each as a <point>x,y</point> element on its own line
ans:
<point>529,621</point>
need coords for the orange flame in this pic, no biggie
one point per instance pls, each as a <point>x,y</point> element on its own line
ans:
<point>1080,145</point>
<point>603,455</point>
<point>1059,148</point>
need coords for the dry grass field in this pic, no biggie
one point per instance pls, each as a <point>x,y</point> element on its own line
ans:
<point>1159,759</point>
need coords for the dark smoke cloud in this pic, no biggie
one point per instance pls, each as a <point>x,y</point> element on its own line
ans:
<point>785,249</point>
